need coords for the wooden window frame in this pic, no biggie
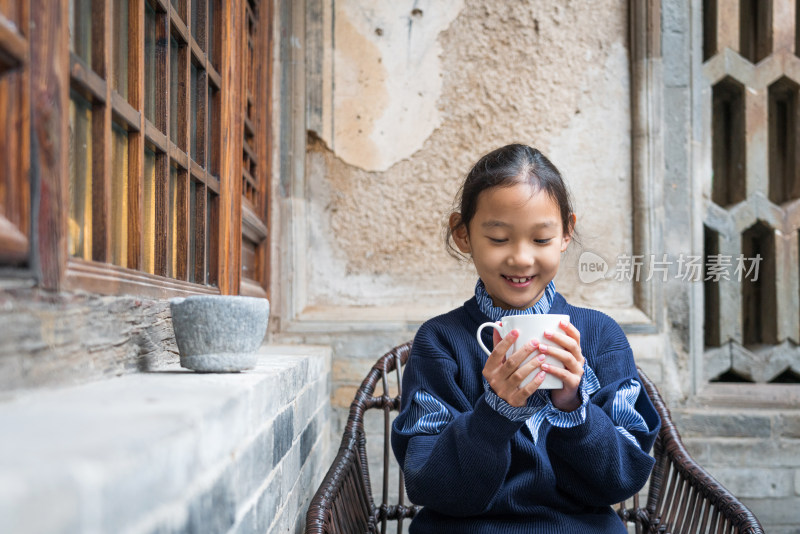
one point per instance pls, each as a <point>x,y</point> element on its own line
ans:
<point>15,201</point>
<point>257,157</point>
<point>58,72</point>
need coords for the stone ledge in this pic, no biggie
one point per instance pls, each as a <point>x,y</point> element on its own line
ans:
<point>156,452</point>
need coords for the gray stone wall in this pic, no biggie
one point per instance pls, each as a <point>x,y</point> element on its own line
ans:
<point>170,451</point>
<point>755,453</point>
<point>678,114</point>
<point>62,338</point>
<point>745,435</point>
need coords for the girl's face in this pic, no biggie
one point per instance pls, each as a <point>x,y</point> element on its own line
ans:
<point>516,240</point>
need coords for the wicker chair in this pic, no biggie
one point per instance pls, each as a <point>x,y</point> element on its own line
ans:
<point>682,497</point>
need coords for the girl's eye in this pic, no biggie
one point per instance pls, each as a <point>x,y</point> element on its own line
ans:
<point>497,240</point>
<point>543,241</point>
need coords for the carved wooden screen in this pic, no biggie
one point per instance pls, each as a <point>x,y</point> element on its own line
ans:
<point>752,202</point>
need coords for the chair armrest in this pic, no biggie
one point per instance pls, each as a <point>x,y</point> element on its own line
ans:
<point>684,497</point>
<point>343,502</point>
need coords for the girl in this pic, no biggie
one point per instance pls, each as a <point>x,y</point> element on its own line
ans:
<point>480,453</point>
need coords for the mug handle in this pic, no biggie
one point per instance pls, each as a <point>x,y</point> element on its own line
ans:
<point>478,335</point>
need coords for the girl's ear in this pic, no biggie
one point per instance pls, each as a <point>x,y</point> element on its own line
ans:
<point>460,233</point>
<point>568,237</point>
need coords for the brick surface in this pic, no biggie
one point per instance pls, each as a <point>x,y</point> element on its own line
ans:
<point>307,439</point>
<point>732,424</point>
<point>283,433</point>
<point>254,465</point>
<point>729,452</point>
<point>174,452</point>
<point>751,482</point>
<point>270,502</point>
<point>674,16</point>
<point>305,406</point>
<point>676,72</point>
<point>797,482</point>
<point>776,513</point>
<point>784,529</point>
<point>214,510</point>
<point>786,425</point>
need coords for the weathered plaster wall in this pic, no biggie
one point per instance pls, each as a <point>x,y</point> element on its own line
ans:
<point>386,57</point>
<point>423,89</point>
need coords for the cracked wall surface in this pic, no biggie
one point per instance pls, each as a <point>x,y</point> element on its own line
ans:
<point>445,82</point>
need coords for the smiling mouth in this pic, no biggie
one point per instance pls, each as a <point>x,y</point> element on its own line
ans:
<point>518,280</point>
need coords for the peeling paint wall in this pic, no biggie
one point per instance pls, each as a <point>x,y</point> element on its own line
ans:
<point>387,78</point>
<point>419,91</point>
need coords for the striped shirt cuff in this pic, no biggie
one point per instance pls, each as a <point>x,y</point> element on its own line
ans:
<point>426,415</point>
<point>567,419</point>
<point>589,385</point>
<point>540,400</point>
<point>540,407</point>
<point>513,413</point>
<point>623,411</point>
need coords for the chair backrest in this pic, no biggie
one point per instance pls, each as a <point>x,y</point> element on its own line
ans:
<point>682,497</point>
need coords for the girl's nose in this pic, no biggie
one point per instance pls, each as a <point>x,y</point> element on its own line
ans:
<point>521,256</point>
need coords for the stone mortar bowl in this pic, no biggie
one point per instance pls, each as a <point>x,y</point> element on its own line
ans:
<point>219,333</point>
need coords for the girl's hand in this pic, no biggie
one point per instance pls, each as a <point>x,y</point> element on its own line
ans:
<point>503,375</point>
<point>565,346</point>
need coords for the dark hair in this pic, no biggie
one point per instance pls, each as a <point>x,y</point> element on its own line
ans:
<point>504,167</point>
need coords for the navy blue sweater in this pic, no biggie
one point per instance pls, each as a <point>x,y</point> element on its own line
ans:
<point>483,473</point>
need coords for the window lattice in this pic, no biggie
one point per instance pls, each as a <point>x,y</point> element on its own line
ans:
<point>144,140</point>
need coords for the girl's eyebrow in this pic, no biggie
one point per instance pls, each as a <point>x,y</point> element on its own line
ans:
<point>494,223</point>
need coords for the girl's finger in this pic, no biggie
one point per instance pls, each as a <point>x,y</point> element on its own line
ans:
<point>498,355</point>
<point>528,368</point>
<point>528,389</point>
<point>518,396</point>
<point>570,330</point>
<point>568,343</point>
<point>496,335</point>
<point>514,362</point>
<point>564,356</point>
<point>569,378</point>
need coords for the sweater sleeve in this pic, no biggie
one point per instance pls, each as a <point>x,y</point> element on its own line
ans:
<point>620,428</point>
<point>459,468</point>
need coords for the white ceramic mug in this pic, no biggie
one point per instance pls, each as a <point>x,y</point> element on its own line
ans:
<point>529,326</point>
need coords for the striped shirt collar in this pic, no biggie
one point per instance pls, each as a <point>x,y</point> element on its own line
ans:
<point>495,313</point>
